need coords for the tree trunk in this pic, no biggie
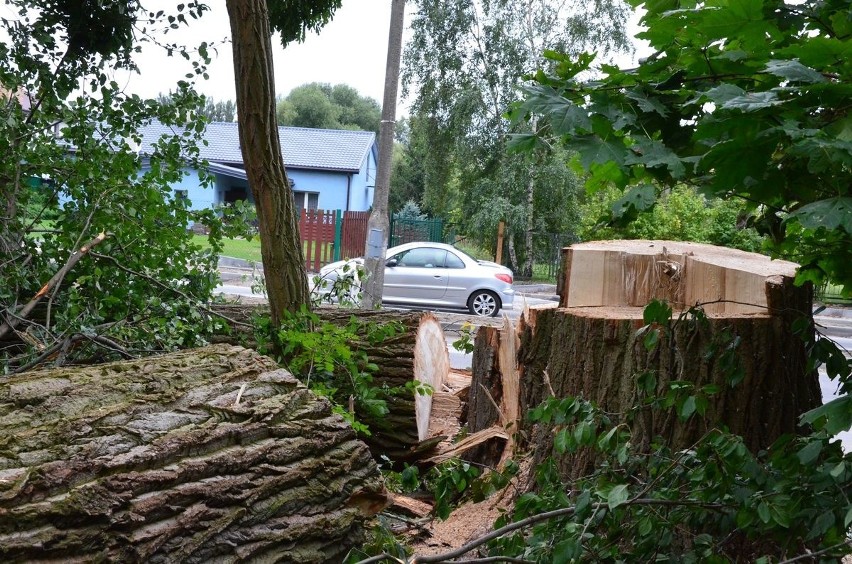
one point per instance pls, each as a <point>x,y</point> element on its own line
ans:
<point>510,245</point>
<point>592,347</point>
<point>211,454</point>
<point>280,242</point>
<point>494,397</point>
<point>580,352</point>
<point>417,353</point>
<point>374,257</point>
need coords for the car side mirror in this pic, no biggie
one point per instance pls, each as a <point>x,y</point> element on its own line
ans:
<point>391,262</point>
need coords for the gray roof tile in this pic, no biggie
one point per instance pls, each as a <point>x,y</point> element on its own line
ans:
<point>315,149</point>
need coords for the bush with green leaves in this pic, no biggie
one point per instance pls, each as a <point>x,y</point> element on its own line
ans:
<point>681,214</point>
<point>70,170</point>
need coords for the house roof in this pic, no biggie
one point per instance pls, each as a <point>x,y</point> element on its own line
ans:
<point>315,149</point>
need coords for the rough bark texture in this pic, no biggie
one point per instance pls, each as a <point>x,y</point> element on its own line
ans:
<point>280,243</point>
<point>485,395</point>
<point>576,352</point>
<point>418,352</point>
<point>212,454</point>
<point>590,347</point>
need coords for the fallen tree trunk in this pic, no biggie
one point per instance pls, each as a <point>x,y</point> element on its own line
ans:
<point>212,454</point>
<point>592,346</point>
<point>417,353</point>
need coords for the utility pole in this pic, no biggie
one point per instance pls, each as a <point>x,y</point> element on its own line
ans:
<point>379,224</point>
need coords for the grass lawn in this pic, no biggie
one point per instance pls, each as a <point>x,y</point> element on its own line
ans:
<point>237,248</point>
<point>246,250</point>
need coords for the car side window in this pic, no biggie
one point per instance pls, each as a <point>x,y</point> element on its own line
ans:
<point>454,261</point>
<point>424,257</point>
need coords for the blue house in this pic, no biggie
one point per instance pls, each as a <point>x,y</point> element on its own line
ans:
<point>328,168</point>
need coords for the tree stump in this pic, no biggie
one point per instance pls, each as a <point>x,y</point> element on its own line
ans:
<point>591,347</point>
<point>494,397</point>
<point>213,454</point>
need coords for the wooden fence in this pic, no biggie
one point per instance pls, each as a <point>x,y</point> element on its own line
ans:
<point>317,228</point>
<point>329,236</point>
<point>353,234</point>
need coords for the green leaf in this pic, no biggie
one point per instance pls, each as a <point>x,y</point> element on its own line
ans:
<point>652,338</point>
<point>780,515</point>
<point>566,551</point>
<point>652,153</point>
<point>637,199</point>
<point>657,312</point>
<point>794,71</point>
<point>763,512</point>
<point>834,417</point>
<point>832,213</point>
<point>751,102</point>
<point>563,441</point>
<point>822,523</point>
<point>524,143</point>
<point>617,496</point>
<point>646,103</point>
<point>687,408</point>
<point>810,452</point>
<point>647,382</point>
<point>723,93</point>
<point>592,149</point>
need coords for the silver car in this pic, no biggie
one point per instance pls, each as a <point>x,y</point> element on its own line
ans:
<point>434,275</point>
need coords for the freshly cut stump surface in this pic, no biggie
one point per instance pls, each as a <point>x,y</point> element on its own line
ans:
<point>204,455</point>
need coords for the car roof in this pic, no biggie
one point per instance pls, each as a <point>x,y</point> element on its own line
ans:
<point>415,244</point>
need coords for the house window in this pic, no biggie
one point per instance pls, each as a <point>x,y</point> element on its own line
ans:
<point>306,200</point>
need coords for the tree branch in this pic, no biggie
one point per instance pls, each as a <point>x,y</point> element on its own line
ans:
<point>169,288</point>
<point>74,259</point>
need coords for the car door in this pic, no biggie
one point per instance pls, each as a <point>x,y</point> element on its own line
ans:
<point>418,276</point>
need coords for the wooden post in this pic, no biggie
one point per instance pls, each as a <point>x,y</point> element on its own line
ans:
<point>501,228</point>
<point>338,234</point>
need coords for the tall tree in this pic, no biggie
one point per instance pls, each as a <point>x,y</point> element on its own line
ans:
<point>379,223</point>
<point>223,110</point>
<point>252,24</point>
<point>323,106</point>
<point>465,62</point>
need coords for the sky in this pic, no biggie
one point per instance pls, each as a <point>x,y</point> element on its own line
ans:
<point>351,49</point>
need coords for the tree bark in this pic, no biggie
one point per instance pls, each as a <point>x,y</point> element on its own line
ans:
<point>591,346</point>
<point>374,259</point>
<point>494,397</point>
<point>212,454</point>
<point>578,352</point>
<point>418,352</point>
<point>280,243</point>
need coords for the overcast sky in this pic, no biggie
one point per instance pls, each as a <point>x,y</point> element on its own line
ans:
<point>351,49</point>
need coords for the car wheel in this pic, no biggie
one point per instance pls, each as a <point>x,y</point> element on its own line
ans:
<point>483,303</point>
